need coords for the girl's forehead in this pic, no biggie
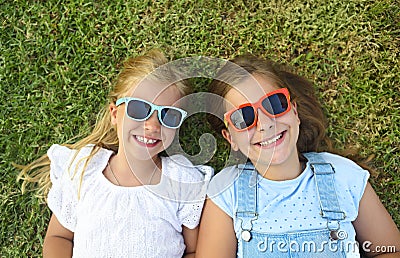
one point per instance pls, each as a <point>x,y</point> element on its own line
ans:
<point>250,90</point>
<point>155,92</point>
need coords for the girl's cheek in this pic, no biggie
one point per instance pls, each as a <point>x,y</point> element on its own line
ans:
<point>247,135</point>
<point>168,134</point>
<point>243,138</point>
<point>129,125</point>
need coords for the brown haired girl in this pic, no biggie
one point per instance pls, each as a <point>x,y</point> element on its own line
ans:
<point>291,198</point>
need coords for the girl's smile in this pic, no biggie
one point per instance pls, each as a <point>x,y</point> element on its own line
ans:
<point>272,141</point>
<point>147,142</point>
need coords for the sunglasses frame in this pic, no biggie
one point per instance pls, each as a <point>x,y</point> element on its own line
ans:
<point>154,107</point>
<point>258,105</point>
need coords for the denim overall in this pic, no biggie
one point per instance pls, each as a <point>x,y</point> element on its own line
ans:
<point>310,243</point>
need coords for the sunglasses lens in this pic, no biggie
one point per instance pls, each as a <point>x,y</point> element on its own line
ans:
<point>138,109</point>
<point>171,117</point>
<point>275,104</point>
<point>243,118</point>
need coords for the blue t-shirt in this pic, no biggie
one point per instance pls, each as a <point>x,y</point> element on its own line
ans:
<point>293,205</point>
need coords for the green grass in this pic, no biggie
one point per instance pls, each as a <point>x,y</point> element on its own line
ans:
<point>59,58</point>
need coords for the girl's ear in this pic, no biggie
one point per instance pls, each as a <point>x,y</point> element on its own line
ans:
<point>227,135</point>
<point>113,111</point>
<point>294,106</point>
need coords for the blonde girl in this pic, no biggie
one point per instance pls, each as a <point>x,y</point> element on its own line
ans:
<point>290,199</point>
<point>111,193</point>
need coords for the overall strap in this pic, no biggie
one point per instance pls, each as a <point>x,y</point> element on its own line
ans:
<point>325,185</point>
<point>247,192</point>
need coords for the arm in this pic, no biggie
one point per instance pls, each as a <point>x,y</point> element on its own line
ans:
<point>58,241</point>
<point>375,228</point>
<point>216,236</point>
<point>190,238</point>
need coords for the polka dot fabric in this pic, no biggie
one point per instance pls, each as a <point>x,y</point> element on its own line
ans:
<point>292,205</point>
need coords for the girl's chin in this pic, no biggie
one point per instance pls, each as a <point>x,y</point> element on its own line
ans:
<point>136,151</point>
<point>273,156</point>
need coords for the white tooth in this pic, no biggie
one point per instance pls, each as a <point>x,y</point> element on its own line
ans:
<point>271,140</point>
<point>150,140</point>
<point>145,140</point>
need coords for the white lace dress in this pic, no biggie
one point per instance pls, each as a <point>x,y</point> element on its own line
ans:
<point>116,221</point>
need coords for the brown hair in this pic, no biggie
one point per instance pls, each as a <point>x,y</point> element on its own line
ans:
<point>104,135</point>
<point>313,123</point>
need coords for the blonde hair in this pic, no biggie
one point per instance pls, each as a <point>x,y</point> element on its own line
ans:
<point>104,135</point>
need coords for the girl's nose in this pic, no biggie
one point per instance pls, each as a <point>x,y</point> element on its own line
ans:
<point>152,124</point>
<point>264,122</point>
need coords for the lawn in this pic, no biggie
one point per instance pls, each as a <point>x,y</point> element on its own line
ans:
<point>59,59</point>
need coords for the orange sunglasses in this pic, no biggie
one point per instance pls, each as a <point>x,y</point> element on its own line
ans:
<point>273,104</point>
